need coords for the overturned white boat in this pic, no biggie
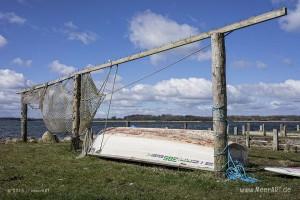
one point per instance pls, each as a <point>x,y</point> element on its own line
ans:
<point>192,149</point>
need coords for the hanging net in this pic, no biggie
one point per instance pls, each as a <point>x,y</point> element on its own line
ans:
<point>56,103</point>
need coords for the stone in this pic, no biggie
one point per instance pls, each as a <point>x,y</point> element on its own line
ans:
<point>7,141</point>
<point>12,140</point>
<point>67,139</point>
<point>32,140</point>
<point>49,138</point>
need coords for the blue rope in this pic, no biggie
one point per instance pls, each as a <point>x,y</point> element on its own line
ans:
<point>236,171</point>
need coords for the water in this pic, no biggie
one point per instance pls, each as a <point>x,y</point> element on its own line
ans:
<point>11,127</point>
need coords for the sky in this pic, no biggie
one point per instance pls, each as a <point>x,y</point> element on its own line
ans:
<point>41,40</point>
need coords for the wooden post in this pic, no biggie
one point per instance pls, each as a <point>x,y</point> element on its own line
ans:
<point>228,129</point>
<point>298,128</point>
<point>235,130</point>
<point>275,140</point>
<point>76,112</point>
<point>280,127</point>
<point>185,125</point>
<point>260,128</point>
<point>248,127</point>
<point>219,102</point>
<point>23,120</point>
<point>243,130</point>
<point>127,123</point>
<point>247,139</point>
<point>283,131</point>
<point>248,135</point>
<point>264,130</point>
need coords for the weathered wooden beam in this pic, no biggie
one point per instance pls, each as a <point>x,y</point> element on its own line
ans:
<point>219,102</point>
<point>235,130</point>
<point>185,125</point>
<point>76,112</point>
<point>235,26</point>
<point>264,130</point>
<point>127,123</point>
<point>248,135</point>
<point>248,139</point>
<point>243,130</point>
<point>284,133</point>
<point>248,127</point>
<point>275,140</point>
<point>23,120</point>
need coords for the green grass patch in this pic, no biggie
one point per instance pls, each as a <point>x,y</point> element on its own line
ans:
<point>41,171</point>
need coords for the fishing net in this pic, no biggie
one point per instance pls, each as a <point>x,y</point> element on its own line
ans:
<point>56,103</point>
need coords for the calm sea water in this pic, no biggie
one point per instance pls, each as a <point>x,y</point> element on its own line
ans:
<point>11,128</point>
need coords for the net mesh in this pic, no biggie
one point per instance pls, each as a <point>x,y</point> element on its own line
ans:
<point>56,104</point>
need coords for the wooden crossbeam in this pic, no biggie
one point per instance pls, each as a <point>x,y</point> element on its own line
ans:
<point>235,26</point>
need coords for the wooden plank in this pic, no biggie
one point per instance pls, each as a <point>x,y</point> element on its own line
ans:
<point>219,102</point>
<point>235,26</point>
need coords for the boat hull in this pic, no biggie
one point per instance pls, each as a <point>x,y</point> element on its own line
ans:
<point>189,149</point>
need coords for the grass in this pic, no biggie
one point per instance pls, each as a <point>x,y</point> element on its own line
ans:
<point>42,171</point>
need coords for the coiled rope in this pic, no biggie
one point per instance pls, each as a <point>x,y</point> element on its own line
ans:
<point>236,171</point>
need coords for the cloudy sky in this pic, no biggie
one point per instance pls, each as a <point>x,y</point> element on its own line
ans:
<point>42,40</point>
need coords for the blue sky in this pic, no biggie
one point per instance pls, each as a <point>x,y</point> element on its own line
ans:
<point>41,40</point>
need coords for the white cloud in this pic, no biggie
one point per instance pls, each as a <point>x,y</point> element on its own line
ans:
<point>261,65</point>
<point>245,64</point>
<point>70,25</point>
<point>241,63</point>
<point>185,96</point>
<point>73,33</point>
<point>288,61</point>
<point>12,18</point>
<point>291,22</point>
<point>19,61</point>
<point>61,68</point>
<point>3,41</point>
<point>10,82</point>
<point>84,37</point>
<point>10,79</point>
<point>282,1</point>
<point>205,55</point>
<point>194,96</point>
<point>149,30</point>
<point>21,1</point>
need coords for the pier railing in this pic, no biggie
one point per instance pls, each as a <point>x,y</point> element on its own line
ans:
<point>235,127</point>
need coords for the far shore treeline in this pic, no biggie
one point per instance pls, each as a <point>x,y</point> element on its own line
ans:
<point>167,117</point>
